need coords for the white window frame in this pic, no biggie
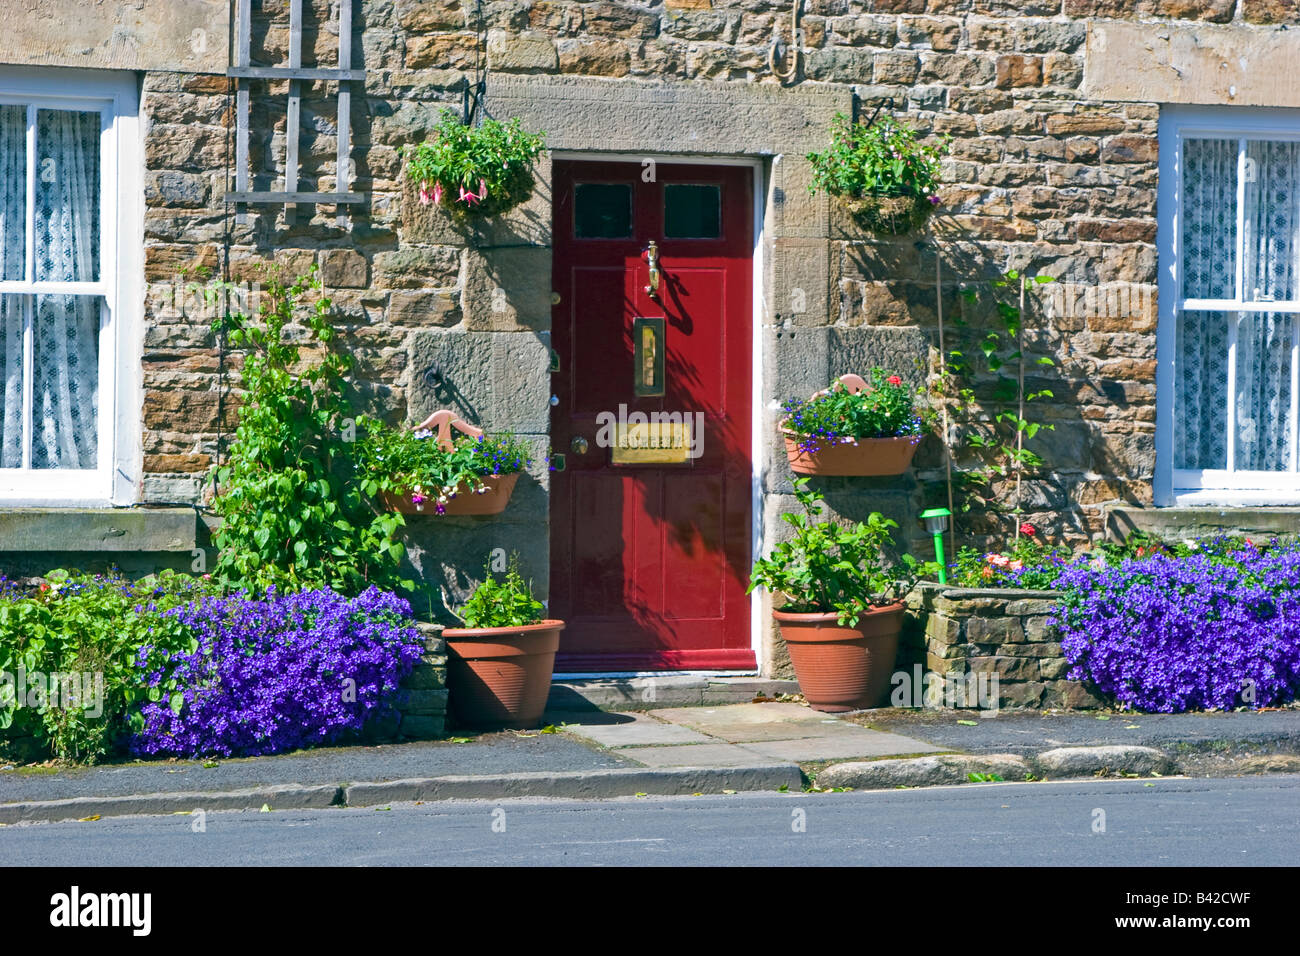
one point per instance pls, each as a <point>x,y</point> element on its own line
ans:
<point>1210,487</point>
<point>115,95</point>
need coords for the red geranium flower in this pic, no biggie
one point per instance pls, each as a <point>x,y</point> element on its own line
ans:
<point>894,380</point>
<point>1028,529</point>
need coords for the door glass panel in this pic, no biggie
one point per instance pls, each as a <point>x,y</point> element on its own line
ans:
<point>692,212</point>
<point>1272,232</point>
<point>11,389</point>
<point>13,191</point>
<point>1201,391</point>
<point>67,196</point>
<point>602,210</point>
<point>1209,214</point>
<point>65,381</point>
<point>1263,430</point>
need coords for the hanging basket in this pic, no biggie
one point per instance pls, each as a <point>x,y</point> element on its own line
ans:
<point>888,215</point>
<point>856,457</point>
<point>467,499</point>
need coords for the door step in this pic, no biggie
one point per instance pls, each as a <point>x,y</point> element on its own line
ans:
<point>671,690</point>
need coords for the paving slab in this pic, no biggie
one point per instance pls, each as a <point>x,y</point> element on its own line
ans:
<point>617,731</point>
<point>699,755</point>
<point>805,749</point>
<point>742,723</point>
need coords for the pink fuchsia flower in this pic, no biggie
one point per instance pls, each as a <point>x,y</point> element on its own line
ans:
<point>417,498</point>
<point>482,188</point>
<point>441,508</point>
<point>894,380</point>
<point>437,193</point>
<point>934,200</point>
<point>425,196</point>
<point>1028,529</point>
<point>467,197</point>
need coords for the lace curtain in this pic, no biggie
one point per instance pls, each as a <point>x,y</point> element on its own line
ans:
<point>1271,270</point>
<point>65,354</point>
<point>1272,267</point>
<point>1209,241</point>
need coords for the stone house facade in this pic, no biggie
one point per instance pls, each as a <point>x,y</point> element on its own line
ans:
<point>1089,141</point>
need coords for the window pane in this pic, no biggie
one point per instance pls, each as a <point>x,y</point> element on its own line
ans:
<point>1263,441</point>
<point>65,383</point>
<point>67,196</point>
<point>692,212</point>
<point>1272,231</point>
<point>1200,391</point>
<point>13,191</point>
<point>11,366</point>
<point>602,211</point>
<point>1209,213</point>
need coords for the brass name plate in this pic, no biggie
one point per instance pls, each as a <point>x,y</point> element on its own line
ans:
<point>651,443</point>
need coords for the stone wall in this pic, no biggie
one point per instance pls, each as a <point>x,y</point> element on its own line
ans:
<point>963,632</point>
<point>1044,176</point>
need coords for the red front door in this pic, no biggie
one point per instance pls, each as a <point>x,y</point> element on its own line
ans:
<point>649,562</point>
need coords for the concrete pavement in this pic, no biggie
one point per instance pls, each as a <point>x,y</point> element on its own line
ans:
<point>768,745</point>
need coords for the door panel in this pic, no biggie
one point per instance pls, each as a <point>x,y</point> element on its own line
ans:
<point>649,563</point>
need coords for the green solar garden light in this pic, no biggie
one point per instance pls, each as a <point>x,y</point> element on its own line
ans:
<point>936,522</point>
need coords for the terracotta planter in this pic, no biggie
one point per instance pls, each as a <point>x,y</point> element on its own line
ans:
<point>466,502</point>
<point>501,676</point>
<point>862,456</point>
<point>842,668</point>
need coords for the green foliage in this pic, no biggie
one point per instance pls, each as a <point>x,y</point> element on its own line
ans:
<point>92,626</point>
<point>835,566</point>
<point>887,409</point>
<point>483,170</point>
<point>1002,450</point>
<point>403,462</point>
<point>293,515</point>
<point>883,159</point>
<point>502,602</point>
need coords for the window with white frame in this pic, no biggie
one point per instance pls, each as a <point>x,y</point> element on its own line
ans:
<point>1233,352</point>
<point>61,225</point>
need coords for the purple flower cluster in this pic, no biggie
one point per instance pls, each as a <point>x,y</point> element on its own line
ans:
<point>1169,634</point>
<point>270,675</point>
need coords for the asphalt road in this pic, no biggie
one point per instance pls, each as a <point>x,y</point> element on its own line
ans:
<point>1251,822</point>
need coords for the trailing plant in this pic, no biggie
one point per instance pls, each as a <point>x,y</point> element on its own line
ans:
<point>482,170</point>
<point>884,158</point>
<point>261,676</point>
<point>403,462</point>
<point>999,441</point>
<point>835,566</point>
<point>836,416</point>
<point>68,652</point>
<point>502,602</point>
<point>1213,629</point>
<point>293,515</point>
<point>887,177</point>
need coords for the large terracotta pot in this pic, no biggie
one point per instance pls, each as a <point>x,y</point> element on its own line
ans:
<point>465,502</point>
<point>842,668</point>
<point>501,676</point>
<point>862,456</point>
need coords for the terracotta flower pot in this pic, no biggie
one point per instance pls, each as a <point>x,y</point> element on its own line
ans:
<point>842,668</point>
<point>466,502</point>
<point>860,456</point>
<point>501,676</point>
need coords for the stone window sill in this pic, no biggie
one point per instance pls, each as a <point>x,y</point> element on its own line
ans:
<point>98,529</point>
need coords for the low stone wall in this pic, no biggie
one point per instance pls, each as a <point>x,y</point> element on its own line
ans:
<point>962,634</point>
<point>422,701</point>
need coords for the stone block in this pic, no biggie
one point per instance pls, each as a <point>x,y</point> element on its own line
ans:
<point>420,727</point>
<point>343,269</point>
<point>1007,668</point>
<point>942,630</point>
<point>423,701</point>
<point>507,289</point>
<point>498,380</point>
<point>800,280</point>
<point>1053,668</point>
<point>994,630</point>
<point>795,212</point>
<point>527,52</point>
